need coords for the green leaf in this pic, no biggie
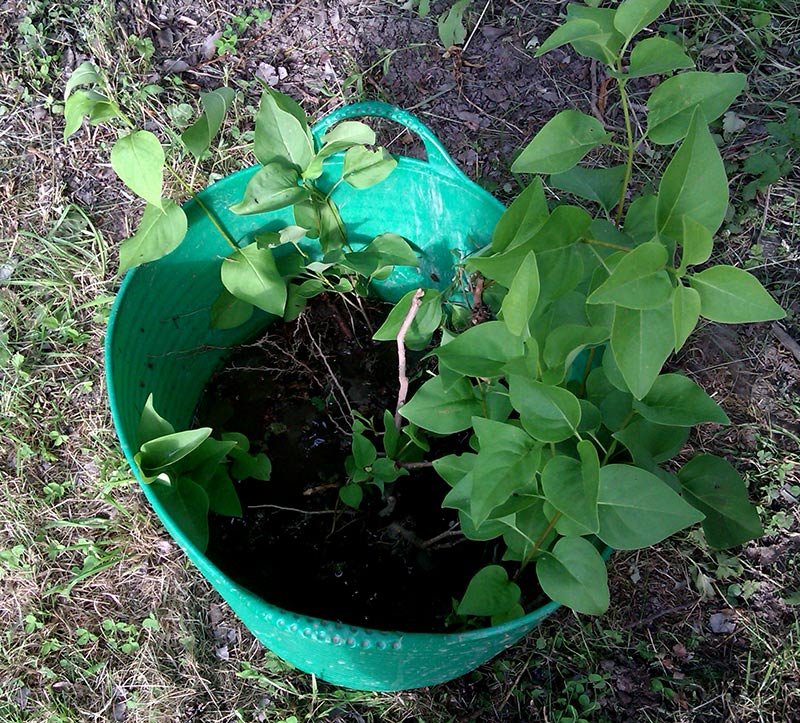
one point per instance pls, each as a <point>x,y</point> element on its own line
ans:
<point>351,495</point>
<point>561,143</point>
<point>391,436</point>
<point>640,219</point>
<point>520,301</point>
<point>272,187</point>
<point>569,32</point>
<point>564,227</point>
<point>242,442</point>
<point>383,253</point>
<point>694,184</point>
<point>247,466</point>
<point>495,396</point>
<point>713,486</point>
<point>332,233</point>
<point>203,463</point>
<point>454,467</point>
<point>517,611</point>
<point>79,104</point>
<point>342,136</point>
<point>508,461</point>
<point>677,401</point>
<point>612,372</point>
<point>604,47</point>
<point>490,592</point>
<point>102,111</point>
<point>641,340</point>
<point>442,410</point>
<point>156,454</point>
<point>250,274</point>
<point>138,159</point>
<point>685,313</point>
<point>521,219</point>
<point>151,424</point>
<point>697,242</point>
<point>481,351</point>
<point>222,497</point>
<point>639,281</point>
<point>672,104</point>
<point>548,413</point>
<point>651,443</point>
<point>601,185</point>
<point>364,168</point>
<point>427,320</point>
<point>732,296</point>
<point>560,271</point>
<point>501,267</point>
<point>571,487</point>
<point>527,527</point>
<point>635,15</point>
<point>364,452</point>
<point>385,470</point>
<point>198,136</point>
<point>160,232</point>
<point>280,135</point>
<point>637,509</point>
<point>228,312</point>
<point>187,504</point>
<point>348,132</point>
<point>657,56</point>
<point>565,342</point>
<point>451,24</point>
<point>84,74</point>
<point>574,574</point>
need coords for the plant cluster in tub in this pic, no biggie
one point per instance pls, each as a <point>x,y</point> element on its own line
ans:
<point>565,457</point>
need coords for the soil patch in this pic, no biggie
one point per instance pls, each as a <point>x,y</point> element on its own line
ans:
<point>395,563</point>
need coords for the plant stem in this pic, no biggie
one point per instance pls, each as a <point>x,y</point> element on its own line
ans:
<point>586,369</point>
<point>402,392</point>
<point>414,465</point>
<point>334,187</point>
<point>629,163</point>
<point>483,399</point>
<point>206,210</point>
<point>538,544</point>
<point>613,446</point>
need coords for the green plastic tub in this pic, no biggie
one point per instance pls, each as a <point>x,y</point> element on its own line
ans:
<point>159,342</point>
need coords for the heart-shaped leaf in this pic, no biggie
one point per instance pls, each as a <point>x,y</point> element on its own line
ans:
<point>160,232</point>
<point>250,274</point>
<point>490,592</point>
<point>574,574</point>
<point>561,143</point>
<point>138,159</point>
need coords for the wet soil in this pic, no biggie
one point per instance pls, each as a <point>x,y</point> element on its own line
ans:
<point>398,561</point>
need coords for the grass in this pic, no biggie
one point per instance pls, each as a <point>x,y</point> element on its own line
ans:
<point>103,619</point>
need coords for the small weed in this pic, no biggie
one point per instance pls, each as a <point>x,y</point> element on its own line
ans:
<point>237,27</point>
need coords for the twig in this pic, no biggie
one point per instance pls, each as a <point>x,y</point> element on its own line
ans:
<point>324,359</point>
<point>786,340</point>
<point>442,536</point>
<point>296,509</point>
<point>414,465</point>
<point>477,292</point>
<point>402,392</point>
<point>320,488</point>
<point>477,25</point>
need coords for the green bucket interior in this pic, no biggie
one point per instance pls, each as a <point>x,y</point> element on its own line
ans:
<point>159,341</point>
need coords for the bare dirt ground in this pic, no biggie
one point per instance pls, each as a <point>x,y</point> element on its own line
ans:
<point>102,617</point>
